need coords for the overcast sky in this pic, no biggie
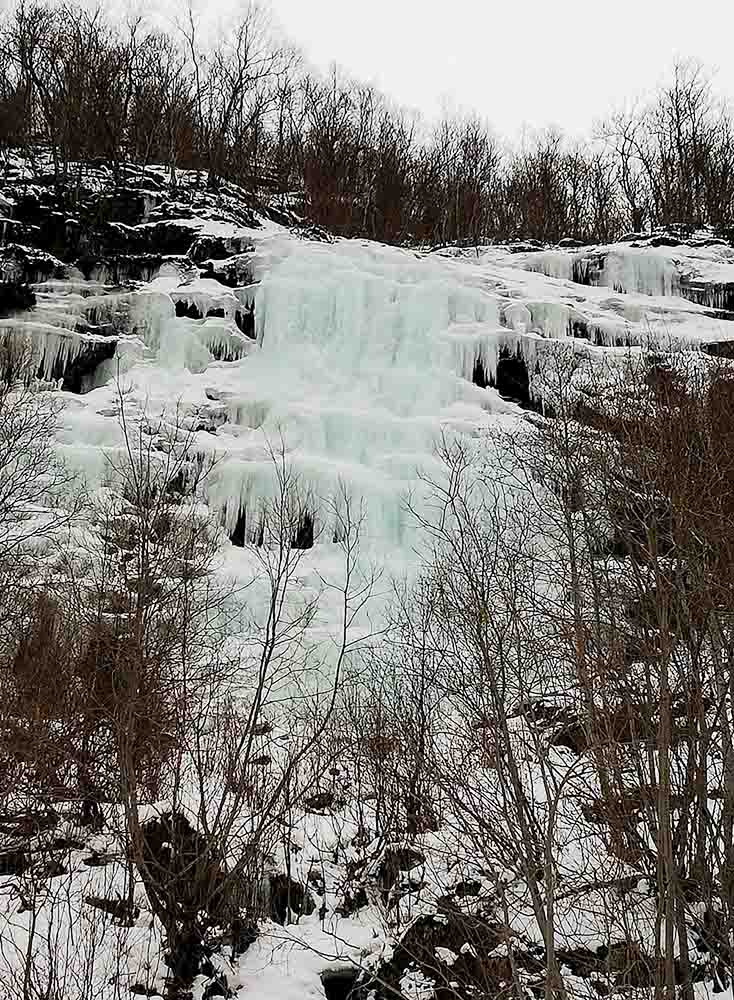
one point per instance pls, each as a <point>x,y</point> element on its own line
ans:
<point>518,62</point>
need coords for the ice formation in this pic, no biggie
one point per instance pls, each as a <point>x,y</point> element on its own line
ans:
<point>700,273</point>
<point>364,354</point>
<point>351,357</point>
<point>631,270</point>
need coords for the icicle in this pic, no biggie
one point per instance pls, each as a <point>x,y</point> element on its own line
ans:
<point>518,317</point>
<point>552,263</point>
<point>626,269</point>
<point>640,270</point>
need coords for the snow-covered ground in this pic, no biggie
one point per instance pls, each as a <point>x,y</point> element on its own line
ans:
<point>357,358</point>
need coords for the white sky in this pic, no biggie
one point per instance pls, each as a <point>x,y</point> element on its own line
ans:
<point>517,62</point>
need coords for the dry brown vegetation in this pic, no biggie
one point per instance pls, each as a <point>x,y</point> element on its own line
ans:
<point>561,676</point>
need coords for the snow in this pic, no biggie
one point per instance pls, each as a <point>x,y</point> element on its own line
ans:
<point>205,293</point>
<point>363,358</point>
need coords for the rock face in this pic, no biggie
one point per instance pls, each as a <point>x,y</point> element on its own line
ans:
<point>115,908</point>
<point>15,296</point>
<point>289,900</point>
<point>395,862</point>
<point>27,265</point>
<point>181,872</point>
<point>72,373</point>
<point>126,269</point>
<point>319,801</point>
<point>233,271</point>
<point>512,380</point>
<point>13,862</point>
<point>220,249</point>
<point>100,218</point>
<point>79,253</point>
<point>341,984</point>
<point>718,295</point>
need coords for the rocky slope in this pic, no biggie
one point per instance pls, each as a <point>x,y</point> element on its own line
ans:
<point>353,358</point>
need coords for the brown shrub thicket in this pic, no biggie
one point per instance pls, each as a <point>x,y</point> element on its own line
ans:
<point>648,631</point>
<point>560,679</point>
<point>130,672</point>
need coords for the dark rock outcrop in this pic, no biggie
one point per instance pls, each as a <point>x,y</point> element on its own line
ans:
<point>15,296</point>
<point>304,535</point>
<point>714,295</point>
<point>319,802</point>
<point>24,265</point>
<point>217,248</point>
<point>289,900</point>
<point>394,862</point>
<point>73,371</point>
<point>245,320</point>
<point>13,862</point>
<point>234,272</point>
<point>511,379</point>
<point>188,309</point>
<point>118,909</point>
<point>473,972</point>
<point>123,269</point>
<point>341,984</point>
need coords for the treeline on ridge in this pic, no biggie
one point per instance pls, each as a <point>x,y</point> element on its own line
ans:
<point>86,86</point>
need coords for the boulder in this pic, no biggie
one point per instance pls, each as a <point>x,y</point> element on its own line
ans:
<point>453,951</point>
<point>288,900</point>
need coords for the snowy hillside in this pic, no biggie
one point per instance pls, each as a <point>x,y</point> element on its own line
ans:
<point>350,360</point>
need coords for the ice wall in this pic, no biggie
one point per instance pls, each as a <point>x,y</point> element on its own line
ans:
<point>57,349</point>
<point>625,269</point>
<point>640,270</point>
<point>366,354</point>
<point>363,356</point>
